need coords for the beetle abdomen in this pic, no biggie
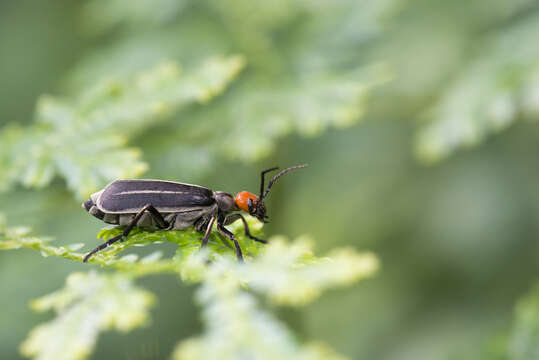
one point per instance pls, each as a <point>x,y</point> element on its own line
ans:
<point>90,206</point>
<point>129,196</point>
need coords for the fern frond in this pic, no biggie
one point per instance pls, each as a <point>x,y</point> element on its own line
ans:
<point>134,12</point>
<point>74,138</point>
<point>498,87</point>
<point>289,274</point>
<point>114,257</point>
<point>236,326</point>
<point>87,305</point>
<point>254,118</point>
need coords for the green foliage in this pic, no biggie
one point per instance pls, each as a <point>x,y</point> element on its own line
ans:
<point>77,138</point>
<point>496,88</point>
<point>138,13</point>
<point>290,274</point>
<point>18,237</point>
<point>256,116</point>
<point>524,339</point>
<point>286,273</point>
<point>89,303</point>
<point>286,88</point>
<point>130,87</point>
<point>127,106</point>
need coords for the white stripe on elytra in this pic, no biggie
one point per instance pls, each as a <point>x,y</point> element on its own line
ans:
<point>150,192</point>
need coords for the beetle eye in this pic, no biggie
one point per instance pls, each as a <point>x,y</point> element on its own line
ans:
<point>251,206</point>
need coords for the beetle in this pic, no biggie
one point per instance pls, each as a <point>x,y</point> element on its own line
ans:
<point>169,205</point>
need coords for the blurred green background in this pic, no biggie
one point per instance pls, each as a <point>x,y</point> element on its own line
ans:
<point>439,178</point>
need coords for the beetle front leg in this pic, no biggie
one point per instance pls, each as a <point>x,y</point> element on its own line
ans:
<point>223,231</point>
<point>230,219</point>
<point>156,215</point>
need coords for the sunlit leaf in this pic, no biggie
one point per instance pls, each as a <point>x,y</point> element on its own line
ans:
<point>495,89</point>
<point>236,326</point>
<point>83,139</point>
<point>87,305</point>
<point>115,256</point>
<point>290,274</point>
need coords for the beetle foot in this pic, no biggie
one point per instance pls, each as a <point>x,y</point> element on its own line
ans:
<point>257,239</point>
<point>103,246</point>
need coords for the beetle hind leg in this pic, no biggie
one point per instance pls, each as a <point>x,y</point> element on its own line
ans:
<point>102,246</point>
<point>156,215</point>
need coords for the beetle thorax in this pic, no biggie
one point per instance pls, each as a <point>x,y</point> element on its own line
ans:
<point>225,201</point>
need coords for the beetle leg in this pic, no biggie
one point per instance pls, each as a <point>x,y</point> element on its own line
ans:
<point>207,233</point>
<point>156,215</point>
<point>101,247</point>
<point>230,219</point>
<point>223,231</point>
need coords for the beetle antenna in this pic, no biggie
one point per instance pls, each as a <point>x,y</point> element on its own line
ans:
<point>272,181</point>
<point>262,179</point>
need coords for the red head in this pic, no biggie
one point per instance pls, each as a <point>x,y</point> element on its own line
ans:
<point>244,199</point>
<point>253,204</point>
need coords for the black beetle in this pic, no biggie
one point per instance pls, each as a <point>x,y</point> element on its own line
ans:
<point>172,205</point>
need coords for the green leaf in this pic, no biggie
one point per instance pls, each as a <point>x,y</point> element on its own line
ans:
<point>298,83</point>
<point>494,90</point>
<point>290,274</point>
<point>18,237</point>
<point>135,12</point>
<point>248,124</point>
<point>87,305</point>
<point>115,257</point>
<point>236,326</point>
<point>75,138</point>
<point>524,340</point>
<point>188,241</point>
